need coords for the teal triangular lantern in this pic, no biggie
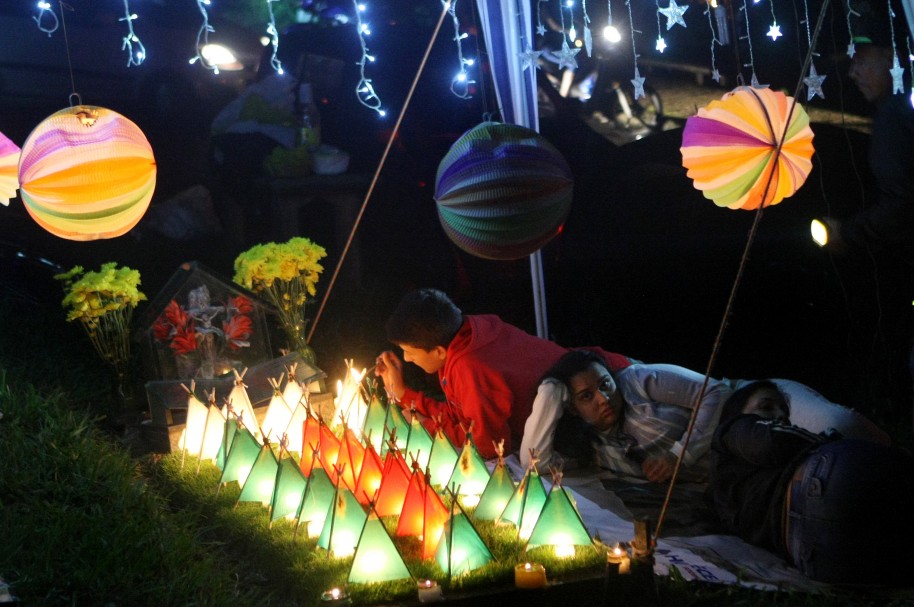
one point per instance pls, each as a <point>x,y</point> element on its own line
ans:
<point>441,460</point>
<point>374,424</point>
<point>376,556</point>
<point>559,524</point>
<point>418,443</point>
<point>397,426</point>
<point>289,491</point>
<point>526,504</point>
<point>496,495</point>
<point>241,457</point>
<point>316,502</point>
<point>342,530</point>
<point>470,475</point>
<point>461,548</point>
<point>259,484</point>
<point>231,427</point>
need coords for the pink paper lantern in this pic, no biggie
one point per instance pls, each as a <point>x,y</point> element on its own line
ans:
<point>9,160</point>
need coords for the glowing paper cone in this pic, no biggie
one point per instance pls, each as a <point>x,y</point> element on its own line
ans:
<point>293,392</point>
<point>213,432</point>
<point>369,476</point>
<point>341,532</point>
<point>230,428</point>
<point>470,475</point>
<point>350,458</point>
<point>559,524</point>
<point>526,504</point>
<point>397,427</point>
<point>278,414</point>
<point>192,436</point>
<point>316,503</point>
<point>418,442</point>
<point>289,491</point>
<point>376,557</point>
<point>260,482</point>
<point>311,440</point>
<point>241,457</point>
<point>350,404</point>
<point>729,148</point>
<point>424,514</point>
<point>374,424</point>
<point>461,548</point>
<point>442,459</point>
<point>329,450</point>
<point>241,406</point>
<point>9,169</point>
<point>394,483</point>
<point>496,495</point>
<point>86,172</point>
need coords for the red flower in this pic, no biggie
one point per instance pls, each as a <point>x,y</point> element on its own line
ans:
<point>242,304</point>
<point>185,339</point>
<point>161,329</point>
<point>237,331</point>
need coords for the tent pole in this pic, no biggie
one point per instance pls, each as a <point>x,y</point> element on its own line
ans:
<point>539,295</point>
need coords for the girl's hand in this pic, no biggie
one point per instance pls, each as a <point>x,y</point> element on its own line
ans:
<point>659,468</point>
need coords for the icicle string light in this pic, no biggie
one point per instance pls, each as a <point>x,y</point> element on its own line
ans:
<point>661,43</point>
<point>748,38</point>
<point>540,28</point>
<point>774,31</point>
<point>609,13</point>
<point>911,66</point>
<point>44,9</point>
<point>588,36</point>
<point>203,36</point>
<point>364,89</point>
<point>851,50</point>
<point>638,80</point>
<point>460,84</point>
<point>897,71</point>
<point>136,52</point>
<point>715,74</point>
<point>275,63</point>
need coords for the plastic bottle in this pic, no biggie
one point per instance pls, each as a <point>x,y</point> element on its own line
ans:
<point>309,118</point>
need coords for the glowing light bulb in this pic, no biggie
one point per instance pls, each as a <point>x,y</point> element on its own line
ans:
<point>612,34</point>
<point>819,232</point>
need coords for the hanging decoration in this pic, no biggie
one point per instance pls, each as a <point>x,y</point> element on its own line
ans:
<point>848,11</point>
<point>86,173</point>
<point>9,165</point>
<point>376,556</point>
<point>638,80</point>
<point>673,14</point>
<point>734,146</point>
<point>588,35</point>
<point>753,81</point>
<point>715,73</point>
<point>46,11</point>
<point>503,191</point>
<point>203,38</point>
<point>460,84</point>
<point>364,90</point>
<point>813,81</point>
<point>897,71</point>
<point>774,32</point>
<point>567,54</point>
<point>136,52</point>
<point>273,33</point>
<point>540,28</point>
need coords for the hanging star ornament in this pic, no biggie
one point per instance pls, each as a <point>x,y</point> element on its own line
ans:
<point>897,72</point>
<point>851,49</point>
<point>638,83</point>
<point>673,14</point>
<point>661,44</point>
<point>540,30</point>
<point>813,83</point>
<point>754,83</point>
<point>715,75</point>
<point>774,32</point>
<point>529,58</point>
<point>566,56</point>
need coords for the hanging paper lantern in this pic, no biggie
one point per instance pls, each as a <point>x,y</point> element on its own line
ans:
<point>503,191</point>
<point>86,173</point>
<point>730,148</point>
<point>260,482</point>
<point>9,175</point>
<point>560,525</point>
<point>376,557</point>
<point>289,491</point>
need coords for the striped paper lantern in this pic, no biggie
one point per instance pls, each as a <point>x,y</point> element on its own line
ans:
<point>503,191</point>
<point>86,173</point>
<point>9,160</point>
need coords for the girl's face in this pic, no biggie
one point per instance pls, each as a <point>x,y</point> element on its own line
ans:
<point>768,403</point>
<point>594,398</point>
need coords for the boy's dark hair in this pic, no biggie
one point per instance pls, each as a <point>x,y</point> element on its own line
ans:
<point>737,401</point>
<point>424,318</point>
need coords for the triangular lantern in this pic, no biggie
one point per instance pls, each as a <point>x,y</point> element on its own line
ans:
<point>559,524</point>
<point>342,530</point>
<point>397,428</point>
<point>241,457</point>
<point>394,483</point>
<point>317,501</point>
<point>329,448</point>
<point>376,557</point>
<point>461,548</point>
<point>278,415</point>
<point>418,442</point>
<point>289,492</point>
<point>442,459</point>
<point>350,457</point>
<point>423,515</point>
<point>374,427</point>
<point>351,406</point>
<point>241,405</point>
<point>260,482</point>
<point>293,392</point>
<point>230,428</point>
<point>470,475</point>
<point>369,476</point>
<point>527,502</point>
<point>194,426</point>
<point>311,437</point>
<point>498,490</point>
<point>213,433</point>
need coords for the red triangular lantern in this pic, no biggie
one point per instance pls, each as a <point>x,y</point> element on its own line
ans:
<point>370,476</point>
<point>394,483</point>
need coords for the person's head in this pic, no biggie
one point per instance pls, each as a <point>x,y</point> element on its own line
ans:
<point>762,398</point>
<point>423,324</point>
<point>873,51</point>
<point>591,388</point>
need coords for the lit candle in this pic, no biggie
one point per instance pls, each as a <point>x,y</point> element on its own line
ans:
<point>429,591</point>
<point>530,575</point>
<point>618,562</point>
<point>335,596</point>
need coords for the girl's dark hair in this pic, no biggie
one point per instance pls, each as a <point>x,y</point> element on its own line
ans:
<point>737,401</point>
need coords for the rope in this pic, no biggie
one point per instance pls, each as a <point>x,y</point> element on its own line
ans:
<point>374,179</point>
<point>66,43</point>
<point>728,310</point>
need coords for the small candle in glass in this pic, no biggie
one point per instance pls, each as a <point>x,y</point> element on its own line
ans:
<point>617,561</point>
<point>530,575</point>
<point>429,591</point>
<point>335,597</point>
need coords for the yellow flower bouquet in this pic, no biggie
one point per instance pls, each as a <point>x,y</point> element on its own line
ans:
<point>286,274</point>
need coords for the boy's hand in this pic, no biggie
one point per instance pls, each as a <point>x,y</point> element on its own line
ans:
<point>390,369</point>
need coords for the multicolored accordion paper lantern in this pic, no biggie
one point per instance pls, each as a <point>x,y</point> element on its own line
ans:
<point>9,161</point>
<point>730,148</point>
<point>86,173</point>
<point>503,191</point>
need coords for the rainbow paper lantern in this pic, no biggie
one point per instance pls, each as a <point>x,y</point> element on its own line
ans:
<point>86,173</point>
<point>9,161</point>
<point>730,148</point>
<point>503,191</point>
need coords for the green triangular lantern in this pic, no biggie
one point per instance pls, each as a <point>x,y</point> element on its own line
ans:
<point>442,459</point>
<point>341,531</point>
<point>461,548</point>
<point>496,495</point>
<point>418,443</point>
<point>526,504</point>
<point>397,426</point>
<point>259,484</point>
<point>470,474</point>
<point>241,457</point>
<point>228,436</point>
<point>374,424</point>
<point>560,524</point>
<point>316,502</point>
<point>376,557</point>
<point>289,492</point>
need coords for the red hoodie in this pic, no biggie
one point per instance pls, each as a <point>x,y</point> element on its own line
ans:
<point>490,377</point>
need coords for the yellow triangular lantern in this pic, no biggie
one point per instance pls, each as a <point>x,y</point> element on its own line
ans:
<point>461,548</point>
<point>260,482</point>
<point>289,492</point>
<point>376,557</point>
<point>351,406</point>
<point>239,403</point>
<point>293,392</point>
<point>498,490</point>
<point>278,414</point>
<point>346,520</point>
<point>470,475</point>
<point>442,459</point>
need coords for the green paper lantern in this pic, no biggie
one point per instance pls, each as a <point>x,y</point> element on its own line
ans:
<point>559,524</point>
<point>375,418</point>
<point>376,557</point>
<point>441,460</point>
<point>496,495</point>
<point>418,443</point>
<point>526,504</point>
<point>259,484</point>
<point>341,531</point>
<point>289,492</point>
<point>230,428</point>
<point>397,426</point>
<point>316,502</point>
<point>241,457</point>
<point>461,548</point>
<point>470,475</point>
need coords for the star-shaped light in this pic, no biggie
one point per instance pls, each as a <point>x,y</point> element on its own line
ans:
<point>566,56</point>
<point>715,75</point>
<point>638,83</point>
<point>897,72</point>
<point>540,29</point>
<point>851,49</point>
<point>529,58</point>
<point>754,83</point>
<point>673,14</point>
<point>774,32</point>
<point>813,83</point>
<point>661,44</point>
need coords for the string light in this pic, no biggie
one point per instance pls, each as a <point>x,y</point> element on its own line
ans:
<point>896,71</point>
<point>715,74</point>
<point>364,90</point>
<point>753,82</point>
<point>588,36</point>
<point>44,9</point>
<point>911,66</point>
<point>609,13</point>
<point>661,43</point>
<point>203,37</point>
<point>851,48</point>
<point>540,28</point>
<point>774,32</point>
<point>638,80</point>
<point>136,52</point>
<point>460,84</point>
<point>813,81</point>
<point>275,63</point>
<point>566,55</point>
